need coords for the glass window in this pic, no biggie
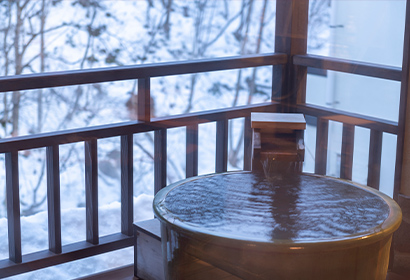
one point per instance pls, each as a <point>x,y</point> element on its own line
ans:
<point>355,93</point>
<point>369,31</point>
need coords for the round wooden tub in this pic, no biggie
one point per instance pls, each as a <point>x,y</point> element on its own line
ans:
<point>298,227</point>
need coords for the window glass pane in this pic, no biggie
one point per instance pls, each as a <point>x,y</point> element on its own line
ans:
<point>354,93</point>
<point>370,31</point>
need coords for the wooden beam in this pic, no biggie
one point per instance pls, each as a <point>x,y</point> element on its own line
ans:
<point>402,174</point>
<point>291,38</point>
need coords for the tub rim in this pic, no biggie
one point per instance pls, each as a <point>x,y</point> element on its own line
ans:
<point>372,235</point>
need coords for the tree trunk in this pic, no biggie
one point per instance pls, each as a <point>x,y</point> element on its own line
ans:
<point>18,65</point>
<point>42,67</point>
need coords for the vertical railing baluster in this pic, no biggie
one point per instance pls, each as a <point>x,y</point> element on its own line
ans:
<point>127,184</point>
<point>346,161</point>
<point>322,134</point>
<point>375,158</point>
<point>13,206</point>
<point>91,191</point>
<point>278,76</point>
<point>247,144</point>
<point>53,199</point>
<point>221,157</point>
<point>144,100</point>
<point>191,150</point>
<point>160,159</point>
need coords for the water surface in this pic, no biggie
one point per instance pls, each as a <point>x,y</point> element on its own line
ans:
<point>300,207</point>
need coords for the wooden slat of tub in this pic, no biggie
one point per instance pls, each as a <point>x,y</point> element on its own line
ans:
<point>149,250</point>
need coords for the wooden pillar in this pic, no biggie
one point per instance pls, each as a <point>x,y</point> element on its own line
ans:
<point>402,174</point>
<point>291,38</point>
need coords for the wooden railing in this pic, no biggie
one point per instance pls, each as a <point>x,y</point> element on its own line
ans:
<point>94,243</point>
<point>349,120</point>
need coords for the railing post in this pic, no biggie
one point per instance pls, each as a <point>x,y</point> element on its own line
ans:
<point>53,199</point>
<point>160,159</point>
<point>127,184</point>
<point>13,206</point>
<point>322,135</point>
<point>247,144</point>
<point>346,161</point>
<point>191,150</point>
<point>291,38</point>
<point>91,191</point>
<point>221,157</point>
<point>375,158</point>
<point>144,100</point>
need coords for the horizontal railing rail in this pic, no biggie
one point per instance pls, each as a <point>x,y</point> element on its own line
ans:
<point>110,74</point>
<point>348,118</point>
<point>349,66</point>
<point>123,128</point>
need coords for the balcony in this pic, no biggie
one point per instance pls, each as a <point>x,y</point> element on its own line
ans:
<point>290,65</point>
